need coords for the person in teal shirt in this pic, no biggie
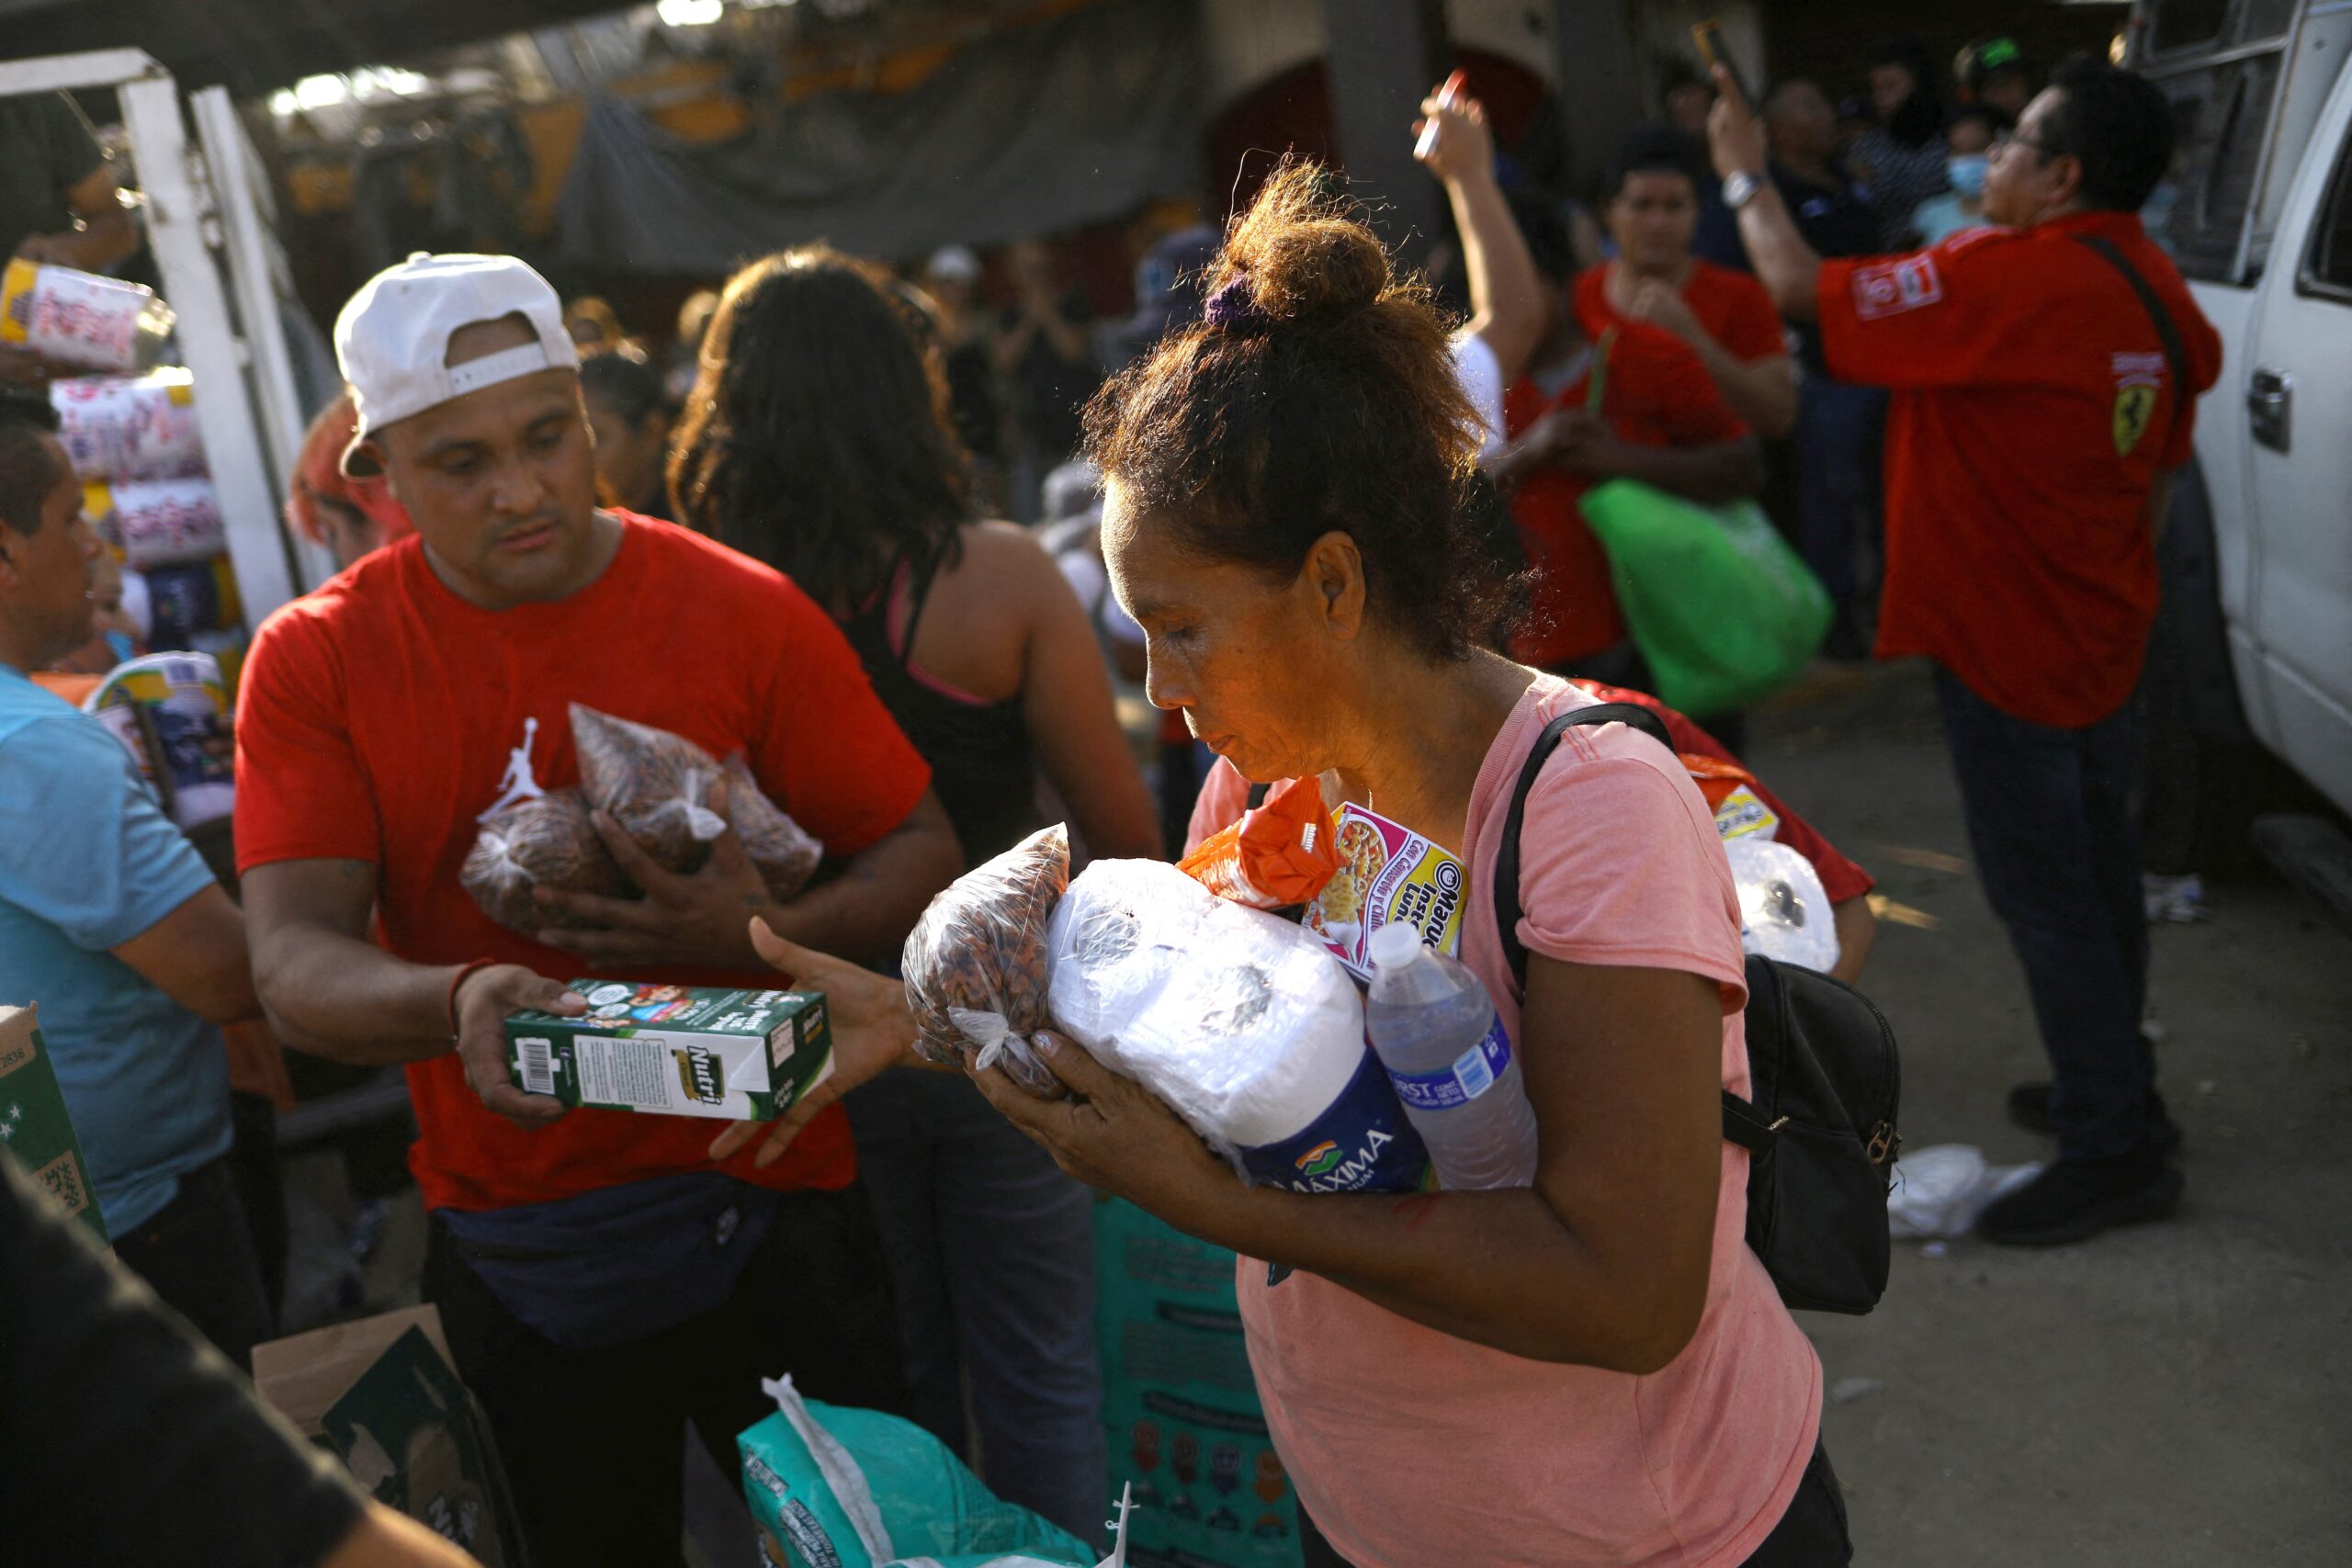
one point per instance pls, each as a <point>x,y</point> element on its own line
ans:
<point>111,925</point>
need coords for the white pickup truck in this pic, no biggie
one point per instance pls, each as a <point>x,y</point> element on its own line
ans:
<point>2254,646</point>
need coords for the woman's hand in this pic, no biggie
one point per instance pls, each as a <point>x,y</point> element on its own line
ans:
<point>1116,1135</point>
<point>873,1032</point>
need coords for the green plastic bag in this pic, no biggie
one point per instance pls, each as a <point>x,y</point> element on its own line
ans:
<point>833,1487</point>
<point>1723,610</point>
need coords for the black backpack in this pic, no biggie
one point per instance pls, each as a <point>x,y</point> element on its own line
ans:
<point>1820,1133</point>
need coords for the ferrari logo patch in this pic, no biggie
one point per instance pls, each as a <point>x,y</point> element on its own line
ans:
<point>2138,379</point>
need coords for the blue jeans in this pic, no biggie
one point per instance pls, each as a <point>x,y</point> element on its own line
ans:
<point>2050,824</point>
<point>1840,491</point>
<point>991,1254</point>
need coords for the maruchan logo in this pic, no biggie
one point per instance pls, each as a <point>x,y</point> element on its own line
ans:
<point>699,1073</point>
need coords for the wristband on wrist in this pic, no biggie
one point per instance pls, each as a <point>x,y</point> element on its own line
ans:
<point>460,979</point>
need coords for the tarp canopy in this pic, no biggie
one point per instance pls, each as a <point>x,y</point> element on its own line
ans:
<point>1030,130</point>
<point>253,46</point>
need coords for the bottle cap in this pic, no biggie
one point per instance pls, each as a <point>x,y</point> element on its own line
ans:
<point>1394,945</point>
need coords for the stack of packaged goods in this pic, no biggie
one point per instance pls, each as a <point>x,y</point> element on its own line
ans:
<point>131,429</point>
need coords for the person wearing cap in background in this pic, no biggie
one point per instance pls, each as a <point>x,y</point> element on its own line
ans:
<point>604,1276</point>
<point>349,517</point>
<point>952,279</point>
<point>1994,71</point>
<point>2044,376</point>
<point>59,203</point>
<point>1168,293</point>
<point>113,927</point>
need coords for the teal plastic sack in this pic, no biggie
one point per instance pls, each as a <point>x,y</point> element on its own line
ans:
<point>833,1487</point>
<point>1723,610</point>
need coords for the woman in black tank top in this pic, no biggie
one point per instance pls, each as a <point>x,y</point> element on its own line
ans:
<point>816,440</point>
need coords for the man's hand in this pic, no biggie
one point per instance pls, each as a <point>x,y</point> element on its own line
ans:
<point>873,1032</point>
<point>700,918</point>
<point>1579,441</point>
<point>1663,307</point>
<point>1462,150</point>
<point>1735,137</point>
<point>22,369</point>
<point>483,1001</point>
<point>50,250</point>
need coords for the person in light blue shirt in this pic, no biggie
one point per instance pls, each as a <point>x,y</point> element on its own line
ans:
<point>1968,142</point>
<point>111,925</point>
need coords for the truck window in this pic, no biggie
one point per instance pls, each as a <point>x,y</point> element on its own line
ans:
<point>2328,270</point>
<point>2222,113</point>
<point>2184,24</point>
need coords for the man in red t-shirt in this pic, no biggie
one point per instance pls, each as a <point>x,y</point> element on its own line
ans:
<point>603,1277</point>
<point>1725,317</point>
<point>2044,377</point>
<point>1652,415</point>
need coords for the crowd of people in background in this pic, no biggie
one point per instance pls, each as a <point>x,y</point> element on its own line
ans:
<point>785,531</point>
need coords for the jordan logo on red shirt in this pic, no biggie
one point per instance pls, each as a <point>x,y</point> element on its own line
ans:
<point>517,785</point>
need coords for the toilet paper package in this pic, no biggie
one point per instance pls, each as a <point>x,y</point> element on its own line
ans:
<point>1240,1021</point>
<point>1784,910</point>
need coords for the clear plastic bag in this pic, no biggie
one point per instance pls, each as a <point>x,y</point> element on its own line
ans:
<point>660,788</point>
<point>1784,912</point>
<point>974,964</point>
<point>546,841</point>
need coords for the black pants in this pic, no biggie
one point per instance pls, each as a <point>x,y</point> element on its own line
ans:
<point>2050,823</point>
<point>1812,1534</point>
<point>591,1439</point>
<point>197,1254</point>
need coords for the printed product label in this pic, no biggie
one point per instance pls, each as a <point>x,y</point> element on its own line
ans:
<point>1361,1143</point>
<point>1743,813</point>
<point>634,1073</point>
<point>1387,873</point>
<point>1472,1075</point>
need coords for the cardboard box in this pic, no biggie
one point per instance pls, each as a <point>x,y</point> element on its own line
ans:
<point>381,1394</point>
<point>677,1050</point>
<point>33,1123</point>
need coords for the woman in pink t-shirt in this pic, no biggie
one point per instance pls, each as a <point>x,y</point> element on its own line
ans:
<point>1592,1372</point>
<point>1595,1371</point>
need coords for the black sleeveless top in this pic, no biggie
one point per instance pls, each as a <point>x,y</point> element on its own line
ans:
<point>982,764</point>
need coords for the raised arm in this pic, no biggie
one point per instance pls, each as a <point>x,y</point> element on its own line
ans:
<point>1506,295</point>
<point>1788,267</point>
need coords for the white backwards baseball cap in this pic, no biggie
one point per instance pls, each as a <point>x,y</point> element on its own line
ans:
<point>392,341</point>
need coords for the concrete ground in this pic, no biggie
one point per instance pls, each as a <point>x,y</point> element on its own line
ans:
<point>2172,1395</point>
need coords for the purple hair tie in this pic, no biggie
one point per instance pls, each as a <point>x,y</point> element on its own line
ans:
<point>1233,306</point>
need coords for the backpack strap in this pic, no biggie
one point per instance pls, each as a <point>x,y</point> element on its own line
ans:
<point>1743,1123</point>
<point>2167,329</point>
<point>1507,906</point>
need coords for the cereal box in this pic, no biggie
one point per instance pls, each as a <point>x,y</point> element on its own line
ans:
<point>33,1123</point>
<point>1387,873</point>
<point>677,1050</point>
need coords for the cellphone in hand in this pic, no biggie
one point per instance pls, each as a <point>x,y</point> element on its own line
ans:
<point>1712,52</point>
<point>1449,95</point>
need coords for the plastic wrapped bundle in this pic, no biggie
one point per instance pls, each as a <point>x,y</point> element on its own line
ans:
<point>975,963</point>
<point>120,427</point>
<point>1240,1021</point>
<point>781,849</point>
<point>657,786</point>
<point>1783,911</point>
<point>546,841</point>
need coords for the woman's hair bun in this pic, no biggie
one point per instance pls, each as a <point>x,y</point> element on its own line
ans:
<point>1304,249</point>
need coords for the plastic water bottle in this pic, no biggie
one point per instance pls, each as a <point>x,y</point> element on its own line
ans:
<point>1435,1030</point>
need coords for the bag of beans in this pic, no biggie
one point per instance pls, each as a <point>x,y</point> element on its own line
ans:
<point>546,841</point>
<point>974,964</point>
<point>663,791</point>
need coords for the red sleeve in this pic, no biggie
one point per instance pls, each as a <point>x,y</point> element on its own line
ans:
<point>1752,326</point>
<point>302,794</point>
<point>1929,319</point>
<point>830,752</point>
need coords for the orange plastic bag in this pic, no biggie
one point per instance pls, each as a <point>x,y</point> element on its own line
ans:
<point>1279,854</point>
